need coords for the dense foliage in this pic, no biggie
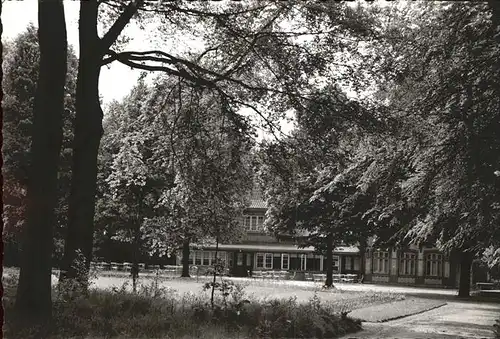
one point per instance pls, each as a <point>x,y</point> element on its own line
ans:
<point>21,68</point>
<point>444,97</point>
<point>429,177</point>
<point>174,169</point>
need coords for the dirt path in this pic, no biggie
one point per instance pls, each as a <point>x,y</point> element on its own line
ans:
<point>468,320</point>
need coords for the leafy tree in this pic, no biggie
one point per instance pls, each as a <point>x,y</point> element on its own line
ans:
<point>33,298</point>
<point>444,95</point>
<point>178,173</point>
<point>311,179</point>
<point>21,68</point>
<point>243,62</point>
<point>136,176</point>
<point>211,150</point>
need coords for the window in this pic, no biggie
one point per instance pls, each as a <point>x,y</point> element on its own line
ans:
<point>197,257</point>
<point>303,262</point>
<point>348,263</point>
<point>356,263</point>
<point>433,265</point>
<point>239,259</point>
<point>253,225</point>
<point>221,256</point>
<point>206,258</point>
<point>285,261</point>
<point>336,260</point>
<point>247,220</point>
<point>407,264</point>
<point>381,262</point>
<point>260,260</point>
<point>253,222</point>
<point>269,260</point>
<point>265,260</point>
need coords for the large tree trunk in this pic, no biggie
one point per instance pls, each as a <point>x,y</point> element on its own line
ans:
<point>215,267</point>
<point>136,255</point>
<point>88,132</point>
<point>329,261</point>
<point>465,274</point>
<point>185,259</point>
<point>34,290</point>
<point>1,140</point>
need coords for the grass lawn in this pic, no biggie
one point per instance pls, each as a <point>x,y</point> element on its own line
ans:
<point>172,307</point>
<point>342,300</point>
<point>179,308</point>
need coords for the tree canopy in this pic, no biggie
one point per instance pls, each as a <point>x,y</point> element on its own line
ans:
<point>177,165</point>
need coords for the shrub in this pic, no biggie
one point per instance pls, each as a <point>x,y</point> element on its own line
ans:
<point>286,318</point>
<point>70,289</point>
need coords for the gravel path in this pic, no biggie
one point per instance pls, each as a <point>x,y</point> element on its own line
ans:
<point>395,310</point>
<point>465,320</point>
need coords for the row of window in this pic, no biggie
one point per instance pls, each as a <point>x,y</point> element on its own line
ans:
<point>265,261</point>
<point>380,262</point>
<point>205,258</point>
<point>253,222</point>
<point>408,263</point>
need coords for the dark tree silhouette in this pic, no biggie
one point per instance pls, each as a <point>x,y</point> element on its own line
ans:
<point>34,290</point>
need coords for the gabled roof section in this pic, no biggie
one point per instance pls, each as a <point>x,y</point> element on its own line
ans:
<point>254,203</point>
<point>257,199</point>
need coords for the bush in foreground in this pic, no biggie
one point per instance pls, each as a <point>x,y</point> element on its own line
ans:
<point>154,312</point>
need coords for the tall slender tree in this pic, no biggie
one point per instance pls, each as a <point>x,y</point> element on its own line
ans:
<point>1,140</point>
<point>34,289</point>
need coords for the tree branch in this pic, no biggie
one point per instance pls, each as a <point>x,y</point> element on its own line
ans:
<point>252,43</point>
<point>269,123</point>
<point>179,72</point>
<point>169,6</point>
<point>110,37</point>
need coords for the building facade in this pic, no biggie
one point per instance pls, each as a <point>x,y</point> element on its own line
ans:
<point>261,251</point>
<point>424,266</point>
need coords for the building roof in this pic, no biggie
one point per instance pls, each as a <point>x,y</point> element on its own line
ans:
<point>257,203</point>
<point>279,248</point>
<point>257,198</point>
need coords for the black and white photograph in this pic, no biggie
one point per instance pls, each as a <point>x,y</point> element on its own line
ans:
<point>250,169</point>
